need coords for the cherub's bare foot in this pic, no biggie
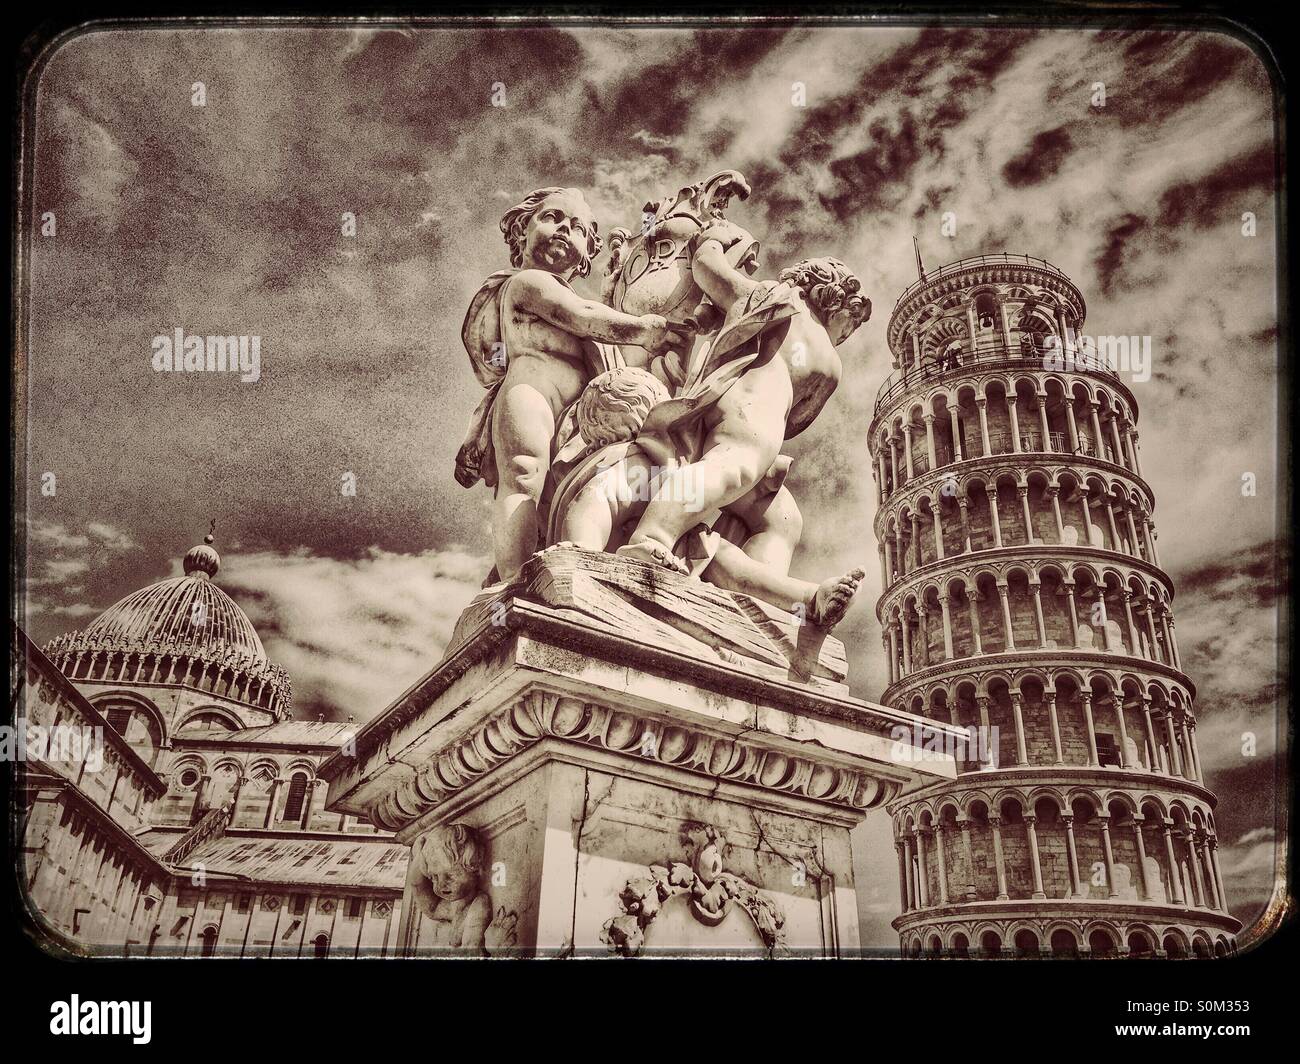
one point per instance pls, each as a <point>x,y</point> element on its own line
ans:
<point>832,598</point>
<point>649,550</point>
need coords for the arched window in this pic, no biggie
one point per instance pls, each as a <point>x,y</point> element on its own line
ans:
<point>297,792</point>
<point>209,941</point>
<point>321,945</point>
<point>1101,944</point>
<point>1026,944</point>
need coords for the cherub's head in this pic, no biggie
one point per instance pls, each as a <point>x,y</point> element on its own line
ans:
<point>554,230</point>
<point>615,403</point>
<point>452,859</point>
<point>833,293</point>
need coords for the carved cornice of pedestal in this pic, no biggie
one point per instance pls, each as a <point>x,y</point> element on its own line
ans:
<point>754,760</point>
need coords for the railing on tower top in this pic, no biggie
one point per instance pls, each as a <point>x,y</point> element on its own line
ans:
<point>965,355</point>
<point>979,260</point>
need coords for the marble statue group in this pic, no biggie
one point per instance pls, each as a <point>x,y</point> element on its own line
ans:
<point>649,425</point>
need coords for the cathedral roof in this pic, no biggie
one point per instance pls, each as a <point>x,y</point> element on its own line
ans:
<point>185,618</point>
<point>187,611</point>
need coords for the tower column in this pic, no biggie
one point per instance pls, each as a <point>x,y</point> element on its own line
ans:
<point>1013,415</point>
<point>923,626</point>
<point>963,503</point>
<point>1072,426</point>
<point>930,452</point>
<point>972,597</point>
<point>1071,613</point>
<point>943,864</point>
<point>1110,521</point>
<point>995,823</point>
<point>1158,763</point>
<point>1085,700</point>
<point>1142,857</point>
<point>1022,757</point>
<point>1105,621</point>
<point>1175,878</point>
<point>1042,422</point>
<point>1093,407</point>
<point>1023,494</point>
<point>1055,495</point>
<point>1135,643</point>
<point>1036,589</point>
<point>1004,593</point>
<point>938,527</point>
<point>1109,855</point>
<point>923,876</point>
<point>910,872</point>
<point>981,404</point>
<point>971,893</point>
<point>1135,543</point>
<point>907,449</point>
<point>902,877</point>
<point>1198,881</point>
<point>955,416</point>
<point>1217,870</point>
<point>1118,702</point>
<point>1032,834</point>
<point>1176,762</point>
<point>992,493</point>
<point>1050,697</point>
<point>946,608</point>
<point>1072,856</point>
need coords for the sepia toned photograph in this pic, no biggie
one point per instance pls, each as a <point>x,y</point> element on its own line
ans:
<point>665,489</point>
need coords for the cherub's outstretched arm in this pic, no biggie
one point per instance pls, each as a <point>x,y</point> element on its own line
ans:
<point>550,299</point>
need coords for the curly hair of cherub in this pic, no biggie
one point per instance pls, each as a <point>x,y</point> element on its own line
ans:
<point>828,285</point>
<point>615,403</point>
<point>458,844</point>
<point>514,225</point>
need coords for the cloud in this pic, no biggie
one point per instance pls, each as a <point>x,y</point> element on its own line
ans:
<point>353,634</point>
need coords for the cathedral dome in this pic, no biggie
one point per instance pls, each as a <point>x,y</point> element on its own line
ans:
<point>183,630</point>
<point>187,611</point>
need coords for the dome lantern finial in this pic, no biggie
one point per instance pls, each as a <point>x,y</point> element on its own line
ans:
<point>203,561</point>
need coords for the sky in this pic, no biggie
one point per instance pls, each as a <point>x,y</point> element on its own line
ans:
<point>229,218</point>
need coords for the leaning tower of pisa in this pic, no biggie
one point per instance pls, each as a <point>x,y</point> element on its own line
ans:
<point>1024,601</point>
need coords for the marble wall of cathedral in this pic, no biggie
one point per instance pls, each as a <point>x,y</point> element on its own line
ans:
<point>116,831</point>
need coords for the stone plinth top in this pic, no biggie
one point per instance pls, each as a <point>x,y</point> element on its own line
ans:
<point>600,658</point>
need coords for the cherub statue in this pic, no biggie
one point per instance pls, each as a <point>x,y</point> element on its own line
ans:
<point>626,457</point>
<point>791,369</point>
<point>534,343</point>
<point>447,865</point>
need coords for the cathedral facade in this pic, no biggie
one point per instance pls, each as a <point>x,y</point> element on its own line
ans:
<point>1024,600</point>
<point>194,823</point>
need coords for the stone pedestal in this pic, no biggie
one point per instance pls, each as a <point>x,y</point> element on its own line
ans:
<point>614,760</point>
